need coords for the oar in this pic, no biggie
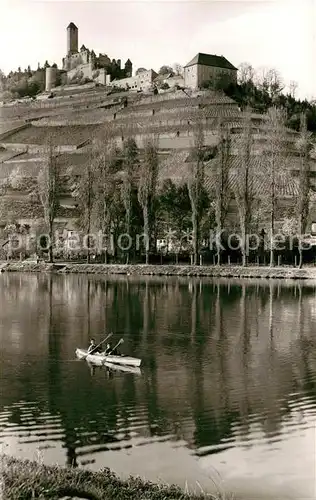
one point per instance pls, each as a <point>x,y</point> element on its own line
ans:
<point>119,342</point>
<point>110,335</point>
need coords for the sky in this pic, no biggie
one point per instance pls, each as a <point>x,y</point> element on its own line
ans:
<point>280,34</point>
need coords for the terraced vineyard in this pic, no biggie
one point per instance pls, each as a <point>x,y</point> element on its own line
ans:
<point>77,115</point>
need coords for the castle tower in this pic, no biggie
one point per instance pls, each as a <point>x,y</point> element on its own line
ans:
<point>50,78</point>
<point>128,68</point>
<point>72,39</point>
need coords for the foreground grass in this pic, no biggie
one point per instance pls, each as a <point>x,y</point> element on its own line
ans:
<point>23,480</point>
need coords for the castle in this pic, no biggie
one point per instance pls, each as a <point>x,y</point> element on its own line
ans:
<point>81,66</point>
<point>84,64</point>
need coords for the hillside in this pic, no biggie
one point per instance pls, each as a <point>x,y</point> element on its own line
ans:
<point>76,115</point>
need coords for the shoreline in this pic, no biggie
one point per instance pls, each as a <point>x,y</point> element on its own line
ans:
<point>211,271</point>
<point>22,479</point>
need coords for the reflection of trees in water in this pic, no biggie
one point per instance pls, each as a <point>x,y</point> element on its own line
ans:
<point>88,412</point>
<point>155,412</point>
<point>243,348</point>
<point>304,350</point>
<point>244,353</point>
<point>264,373</point>
<point>211,425</point>
<point>79,407</point>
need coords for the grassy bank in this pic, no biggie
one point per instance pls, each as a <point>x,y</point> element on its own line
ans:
<point>22,480</point>
<point>165,270</point>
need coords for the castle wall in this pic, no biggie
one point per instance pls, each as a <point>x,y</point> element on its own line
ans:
<point>85,69</point>
<point>139,82</point>
<point>73,61</point>
<point>102,77</point>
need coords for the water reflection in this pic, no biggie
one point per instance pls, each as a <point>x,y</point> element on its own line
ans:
<point>227,365</point>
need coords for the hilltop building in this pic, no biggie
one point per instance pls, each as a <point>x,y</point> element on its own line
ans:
<point>79,66</point>
<point>202,68</point>
<point>208,67</point>
<point>142,81</point>
<point>84,64</point>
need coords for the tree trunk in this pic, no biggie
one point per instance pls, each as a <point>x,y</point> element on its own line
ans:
<point>300,248</point>
<point>146,232</point>
<point>127,231</point>
<point>300,262</point>
<point>51,243</point>
<point>271,248</point>
<point>244,259</point>
<point>219,238</point>
<point>88,239</point>
<point>219,257</point>
<point>272,217</point>
<point>195,236</point>
<point>244,249</point>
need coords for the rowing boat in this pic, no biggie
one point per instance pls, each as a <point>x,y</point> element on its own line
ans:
<point>123,368</point>
<point>99,358</point>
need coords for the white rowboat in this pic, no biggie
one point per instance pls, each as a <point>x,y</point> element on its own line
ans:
<point>100,359</point>
<point>121,368</point>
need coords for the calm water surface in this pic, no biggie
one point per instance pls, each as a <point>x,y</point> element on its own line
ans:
<point>227,391</point>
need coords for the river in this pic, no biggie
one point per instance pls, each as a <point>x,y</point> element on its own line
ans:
<point>227,390</point>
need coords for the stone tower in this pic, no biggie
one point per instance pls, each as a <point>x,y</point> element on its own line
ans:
<point>72,39</point>
<point>50,78</point>
<point>128,68</point>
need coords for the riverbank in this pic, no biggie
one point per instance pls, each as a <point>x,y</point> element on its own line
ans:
<point>24,479</point>
<point>164,270</point>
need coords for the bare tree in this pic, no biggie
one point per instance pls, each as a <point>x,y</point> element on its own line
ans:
<point>195,183</point>
<point>177,69</point>
<point>275,154</point>
<point>222,188</point>
<point>293,88</point>
<point>49,184</point>
<point>130,157</point>
<point>269,80</point>
<point>304,147</point>
<point>246,73</point>
<point>244,185</point>
<point>148,177</point>
<point>85,195</point>
<point>105,161</point>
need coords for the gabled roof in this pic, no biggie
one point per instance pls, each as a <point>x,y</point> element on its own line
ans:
<point>72,26</point>
<point>211,60</point>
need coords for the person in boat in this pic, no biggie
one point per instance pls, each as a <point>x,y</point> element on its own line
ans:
<point>93,348</point>
<point>115,352</point>
<point>109,350</point>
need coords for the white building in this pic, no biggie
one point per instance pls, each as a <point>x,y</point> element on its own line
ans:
<point>142,81</point>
